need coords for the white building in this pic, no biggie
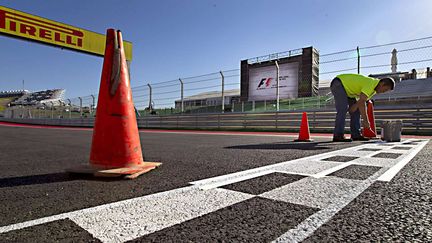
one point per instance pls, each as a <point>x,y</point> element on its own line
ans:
<point>212,98</point>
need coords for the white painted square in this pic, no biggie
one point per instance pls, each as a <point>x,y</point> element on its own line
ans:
<point>380,162</point>
<point>307,166</point>
<point>134,218</point>
<point>356,153</point>
<point>399,151</point>
<point>313,192</point>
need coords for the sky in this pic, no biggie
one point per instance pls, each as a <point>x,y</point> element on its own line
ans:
<point>183,38</point>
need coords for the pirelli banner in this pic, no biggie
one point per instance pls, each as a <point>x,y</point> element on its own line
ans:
<point>18,24</point>
<point>298,77</point>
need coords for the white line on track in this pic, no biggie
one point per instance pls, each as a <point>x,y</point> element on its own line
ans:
<point>388,175</point>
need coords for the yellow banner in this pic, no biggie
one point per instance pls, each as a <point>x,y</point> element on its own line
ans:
<point>22,25</point>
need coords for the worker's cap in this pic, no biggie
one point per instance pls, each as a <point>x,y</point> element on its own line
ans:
<point>388,81</point>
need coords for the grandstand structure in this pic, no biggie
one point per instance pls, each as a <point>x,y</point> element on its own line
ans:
<point>6,97</point>
<point>47,97</point>
<point>13,93</point>
<point>408,92</point>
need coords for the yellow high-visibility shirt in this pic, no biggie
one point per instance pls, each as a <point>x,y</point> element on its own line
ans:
<point>355,84</point>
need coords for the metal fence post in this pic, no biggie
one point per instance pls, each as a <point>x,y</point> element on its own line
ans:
<point>70,108</point>
<point>150,98</point>
<point>81,111</point>
<point>223,91</point>
<point>242,106</point>
<point>253,105</point>
<point>62,105</point>
<point>181,95</point>
<point>314,119</point>
<point>93,104</point>
<point>358,60</point>
<point>277,85</point>
<point>233,110</point>
<point>52,109</point>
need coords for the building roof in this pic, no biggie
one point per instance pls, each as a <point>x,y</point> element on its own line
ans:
<point>212,94</point>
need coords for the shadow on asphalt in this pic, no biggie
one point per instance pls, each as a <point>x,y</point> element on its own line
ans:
<point>289,145</point>
<point>48,178</point>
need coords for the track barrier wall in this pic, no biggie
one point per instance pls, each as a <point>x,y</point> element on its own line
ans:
<point>415,121</point>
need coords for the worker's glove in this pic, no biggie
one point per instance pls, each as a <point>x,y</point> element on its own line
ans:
<point>365,124</point>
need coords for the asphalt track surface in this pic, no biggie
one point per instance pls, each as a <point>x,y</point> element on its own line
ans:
<point>33,185</point>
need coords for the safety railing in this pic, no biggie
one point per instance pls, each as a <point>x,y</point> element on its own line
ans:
<point>415,121</point>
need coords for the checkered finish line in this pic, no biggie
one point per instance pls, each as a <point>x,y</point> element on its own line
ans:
<point>294,197</point>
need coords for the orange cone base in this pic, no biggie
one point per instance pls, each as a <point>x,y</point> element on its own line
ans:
<point>369,133</point>
<point>303,140</point>
<point>130,172</point>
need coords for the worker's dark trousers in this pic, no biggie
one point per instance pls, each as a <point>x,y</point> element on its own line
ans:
<point>342,104</point>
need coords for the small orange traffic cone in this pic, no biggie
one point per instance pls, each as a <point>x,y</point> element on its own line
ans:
<point>116,147</point>
<point>304,135</point>
<point>370,132</point>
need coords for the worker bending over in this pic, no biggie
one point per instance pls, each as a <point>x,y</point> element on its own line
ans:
<point>351,91</point>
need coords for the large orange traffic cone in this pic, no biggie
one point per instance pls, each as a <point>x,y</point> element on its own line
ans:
<point>116,147</point>
<point>370,132</point>
<point>304,135</point>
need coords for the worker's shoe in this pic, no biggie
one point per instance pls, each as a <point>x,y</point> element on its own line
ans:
<point>361,138</point>
<point>341,139</point>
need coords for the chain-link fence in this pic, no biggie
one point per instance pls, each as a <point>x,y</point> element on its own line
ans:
<point>220,91</point>
<point>395,59</point>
